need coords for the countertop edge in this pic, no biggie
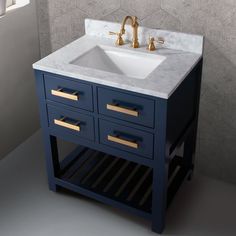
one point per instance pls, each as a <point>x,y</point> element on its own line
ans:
<point>112,84</point>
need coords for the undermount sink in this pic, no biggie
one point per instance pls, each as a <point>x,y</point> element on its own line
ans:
<point>120,61</point>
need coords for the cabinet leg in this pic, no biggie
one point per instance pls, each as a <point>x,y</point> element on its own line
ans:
<point>189,153</point>
<point>160,180</point>
<point>52,161</point>
<point>160,171</point>
<point>53,187</point>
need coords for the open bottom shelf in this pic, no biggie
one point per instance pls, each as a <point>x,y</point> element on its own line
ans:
<point>118,179</point>
<point>111,179</point>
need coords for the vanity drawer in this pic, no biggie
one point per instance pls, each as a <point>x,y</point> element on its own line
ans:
<point>69,92</point>
<point>126,138</point>
<point>126,107</point>
<point>69,122</point>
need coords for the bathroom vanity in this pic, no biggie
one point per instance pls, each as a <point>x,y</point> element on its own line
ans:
<point>133,114</point>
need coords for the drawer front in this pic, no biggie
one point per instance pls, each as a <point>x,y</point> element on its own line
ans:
<point>126,107</point>
<point>68,92</point>
<point>69,122</point>
<point>126,138</point>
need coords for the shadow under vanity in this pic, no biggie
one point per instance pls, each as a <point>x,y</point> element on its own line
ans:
<point>135,141</point>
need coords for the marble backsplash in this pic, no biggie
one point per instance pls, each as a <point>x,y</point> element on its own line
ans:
<point>173,40</point>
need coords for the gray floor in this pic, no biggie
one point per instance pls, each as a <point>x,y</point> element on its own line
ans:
<point>27,208</point>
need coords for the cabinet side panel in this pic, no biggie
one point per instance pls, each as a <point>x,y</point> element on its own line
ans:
<point>183,108</point>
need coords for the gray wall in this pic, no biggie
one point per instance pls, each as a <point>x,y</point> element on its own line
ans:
<point>19,48</point>
<point>62,21</point>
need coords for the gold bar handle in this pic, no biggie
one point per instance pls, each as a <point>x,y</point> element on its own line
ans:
<point>122,110</point>
<point>59,93</point>
<point>64,124</point>
<point>122,141</point>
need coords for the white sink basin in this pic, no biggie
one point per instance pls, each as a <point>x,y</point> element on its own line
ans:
<point>120,61</point>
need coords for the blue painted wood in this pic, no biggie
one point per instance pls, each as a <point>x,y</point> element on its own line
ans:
<point>85,122</point>
<point>144,106</point>
<point>143,139</point>
<point>173,149</point>
<point>78,162</point>
<point>102,199</point>
<point>84,92</point>
<point>95,113</point>
<point>101,147</point>
<point>190,142</point>
<point>160,170</point>
<point>182,108</point>
<point>101,116</point>
<point>50,143</point>
<point>104,174</point>
<point>96,85</point>
<point>163,126</point>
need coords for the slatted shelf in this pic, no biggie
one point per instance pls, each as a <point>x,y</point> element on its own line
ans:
<point>121,180</point>
<point>112,177</point>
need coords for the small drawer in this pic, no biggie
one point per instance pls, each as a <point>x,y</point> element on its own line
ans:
<point>69,92</point>
<point>69,122</point>
<point>126,138</point>
<point>126,107</point>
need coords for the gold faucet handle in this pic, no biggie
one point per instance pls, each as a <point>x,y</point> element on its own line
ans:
<point>160,40</point>
<point>151,45</point>
<point>113,33</point>
<point>119,40</point>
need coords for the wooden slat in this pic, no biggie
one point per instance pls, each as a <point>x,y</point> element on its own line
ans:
<point>172,177</point>
<point>93,170</point>
<point>121,179</point>
<point>96,174</point>
<point>101,198</point>
<point>105,172</point>
<point>116,176</point>
<point>109,176</point>
<point>86,168</point>
<point>135,189</point>
<point>112,177</point>
<point>127,180</point>
<point>146,195</point>
<point>80,161</point>
<point>174,162</point>
<point>142,190</point>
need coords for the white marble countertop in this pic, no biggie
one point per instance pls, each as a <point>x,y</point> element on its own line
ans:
<point>162,82</point>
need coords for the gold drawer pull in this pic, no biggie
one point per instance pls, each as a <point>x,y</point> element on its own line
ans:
<point>59,93</point>
<point>122,110</point>
<point>122,141</point>
<point>64,124</point>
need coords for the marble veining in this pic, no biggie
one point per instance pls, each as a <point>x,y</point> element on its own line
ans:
<point>182,52</point>
<point>173,40</point>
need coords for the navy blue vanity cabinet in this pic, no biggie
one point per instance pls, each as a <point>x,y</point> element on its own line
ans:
<point>133,151</point>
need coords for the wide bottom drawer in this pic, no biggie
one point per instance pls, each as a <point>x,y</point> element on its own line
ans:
<point>126,138</point>
<point>69,122</point>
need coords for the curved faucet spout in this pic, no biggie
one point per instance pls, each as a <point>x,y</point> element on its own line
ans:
<point>134,24</point>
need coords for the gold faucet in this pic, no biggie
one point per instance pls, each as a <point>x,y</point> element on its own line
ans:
<point>134,24</point>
